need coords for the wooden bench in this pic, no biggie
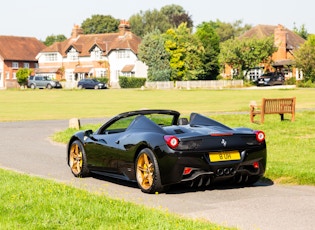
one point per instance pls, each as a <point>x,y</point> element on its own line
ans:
<point>273,106</point>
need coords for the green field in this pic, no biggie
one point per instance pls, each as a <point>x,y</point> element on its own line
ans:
<point>290,146</point>
<point>65,104</point>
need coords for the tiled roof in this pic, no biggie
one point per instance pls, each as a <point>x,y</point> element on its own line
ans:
<point>261,31</point>
<point>107,42</point>
<point>127,68</point>
<point>20,48</point>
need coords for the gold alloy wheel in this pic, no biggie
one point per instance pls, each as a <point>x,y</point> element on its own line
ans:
<point>75,159</point>
<point>145,171</point>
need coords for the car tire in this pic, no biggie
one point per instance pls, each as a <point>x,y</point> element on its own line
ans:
<point>147,172</point>
<point>49,86</point>
<point>33,86</point>
<point>77,159</point>
<point>80,87</point>
<point>96,87</point>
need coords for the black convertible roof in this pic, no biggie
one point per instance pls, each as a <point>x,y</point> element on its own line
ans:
<point>149,111</point>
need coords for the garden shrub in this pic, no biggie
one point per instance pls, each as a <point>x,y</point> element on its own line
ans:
<point>131,82</point>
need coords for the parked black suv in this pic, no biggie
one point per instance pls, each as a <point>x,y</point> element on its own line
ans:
<point>42,82</point>
<point>271,78</point>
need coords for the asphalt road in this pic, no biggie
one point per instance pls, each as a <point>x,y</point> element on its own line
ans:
<point>26,147</point>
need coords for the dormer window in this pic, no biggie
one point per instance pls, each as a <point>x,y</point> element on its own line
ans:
<point>73,55</point>
<point>96,53</point>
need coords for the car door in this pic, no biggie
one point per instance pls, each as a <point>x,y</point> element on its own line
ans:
<point>39,81</point>
<point>103,152</point>
<point>89,84</point>
<point>105,148</point>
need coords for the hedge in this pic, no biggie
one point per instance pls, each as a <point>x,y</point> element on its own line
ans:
<point>131,82</point>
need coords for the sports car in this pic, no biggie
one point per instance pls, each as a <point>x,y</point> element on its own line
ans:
<point>159,148</point>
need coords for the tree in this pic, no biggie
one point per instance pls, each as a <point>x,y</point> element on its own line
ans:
<point>177,15</point>
<point>148,21</point>
<point>54,38</point>
<point>246,54</point>
<point>305,59</point>
<point>22,75</point>
<point>154,55</point>
<point>301,32</point>
<point>211,43</point>
<point>170,16</point>
<point>99,24</point>
<point>185,53</point>
<point>228,31</point>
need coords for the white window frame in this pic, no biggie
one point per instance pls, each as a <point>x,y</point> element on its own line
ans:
<point>73,55</point>
<point>50,57</point>
<point>121,54</point>
<point>96,54</point>
<point>26,65</point>
<point>15,65</point>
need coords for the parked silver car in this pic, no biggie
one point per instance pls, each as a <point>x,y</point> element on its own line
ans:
<point>42,82</point>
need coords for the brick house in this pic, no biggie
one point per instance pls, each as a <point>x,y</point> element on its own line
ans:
<point>93,55</point>
<point>15,53</point>
<point>283,59</point>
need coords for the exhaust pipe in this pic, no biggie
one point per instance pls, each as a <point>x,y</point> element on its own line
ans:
<point>220,172</point>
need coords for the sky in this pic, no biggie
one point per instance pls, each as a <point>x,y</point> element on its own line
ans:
<point>42,18</point>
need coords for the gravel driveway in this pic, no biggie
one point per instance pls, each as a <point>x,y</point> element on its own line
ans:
<point>26,147</point>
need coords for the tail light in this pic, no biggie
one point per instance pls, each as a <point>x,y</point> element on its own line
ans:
<point>171,141</point>
<point>260,136</point>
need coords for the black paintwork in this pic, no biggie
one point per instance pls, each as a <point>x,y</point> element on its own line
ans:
<point>113,152</point>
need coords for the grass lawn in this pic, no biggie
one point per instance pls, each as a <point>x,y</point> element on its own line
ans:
<point>49,205</point>
<point>65,104</point>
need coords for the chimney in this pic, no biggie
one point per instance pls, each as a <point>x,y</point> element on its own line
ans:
<point>123,27</point>
<point>76,31</point>
<point>281,42</point>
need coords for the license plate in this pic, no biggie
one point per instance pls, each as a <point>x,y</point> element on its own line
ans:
<point>224,156</point>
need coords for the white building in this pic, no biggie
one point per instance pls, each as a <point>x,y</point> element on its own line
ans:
<point>93,55</point>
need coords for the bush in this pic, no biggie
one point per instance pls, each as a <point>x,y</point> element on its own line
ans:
<point>102,79</point>
<point>22,75</point>
<point>131,82</point>
<point>306,84</point>
<point>290,81</point>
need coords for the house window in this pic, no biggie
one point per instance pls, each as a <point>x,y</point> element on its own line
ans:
<point>15,65</point>
<point>7,75</point>
<point>51,57</point>
<point>123,54</point>
<point>14,75</point>
<point>101,73</point>
<point>72,54</point>
<point>96,54</point>
<point>26,65</point>
<point>36,65</point>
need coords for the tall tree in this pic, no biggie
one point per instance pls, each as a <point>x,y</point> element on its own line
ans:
<point>246,54</point>
<point>54,38</point>
<point>211,43</point>
<point>154,55</point>
<point>185,53</point>
<point>99,24</point>
<point>305,59</point>
<point>148,21</point>
<point>228,31</point>
<point>177,15</point>
<point>301,31</point>
<point>170,16</point>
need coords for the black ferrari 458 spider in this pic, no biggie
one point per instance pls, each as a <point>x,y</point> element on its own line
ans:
<point>158,148</point>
